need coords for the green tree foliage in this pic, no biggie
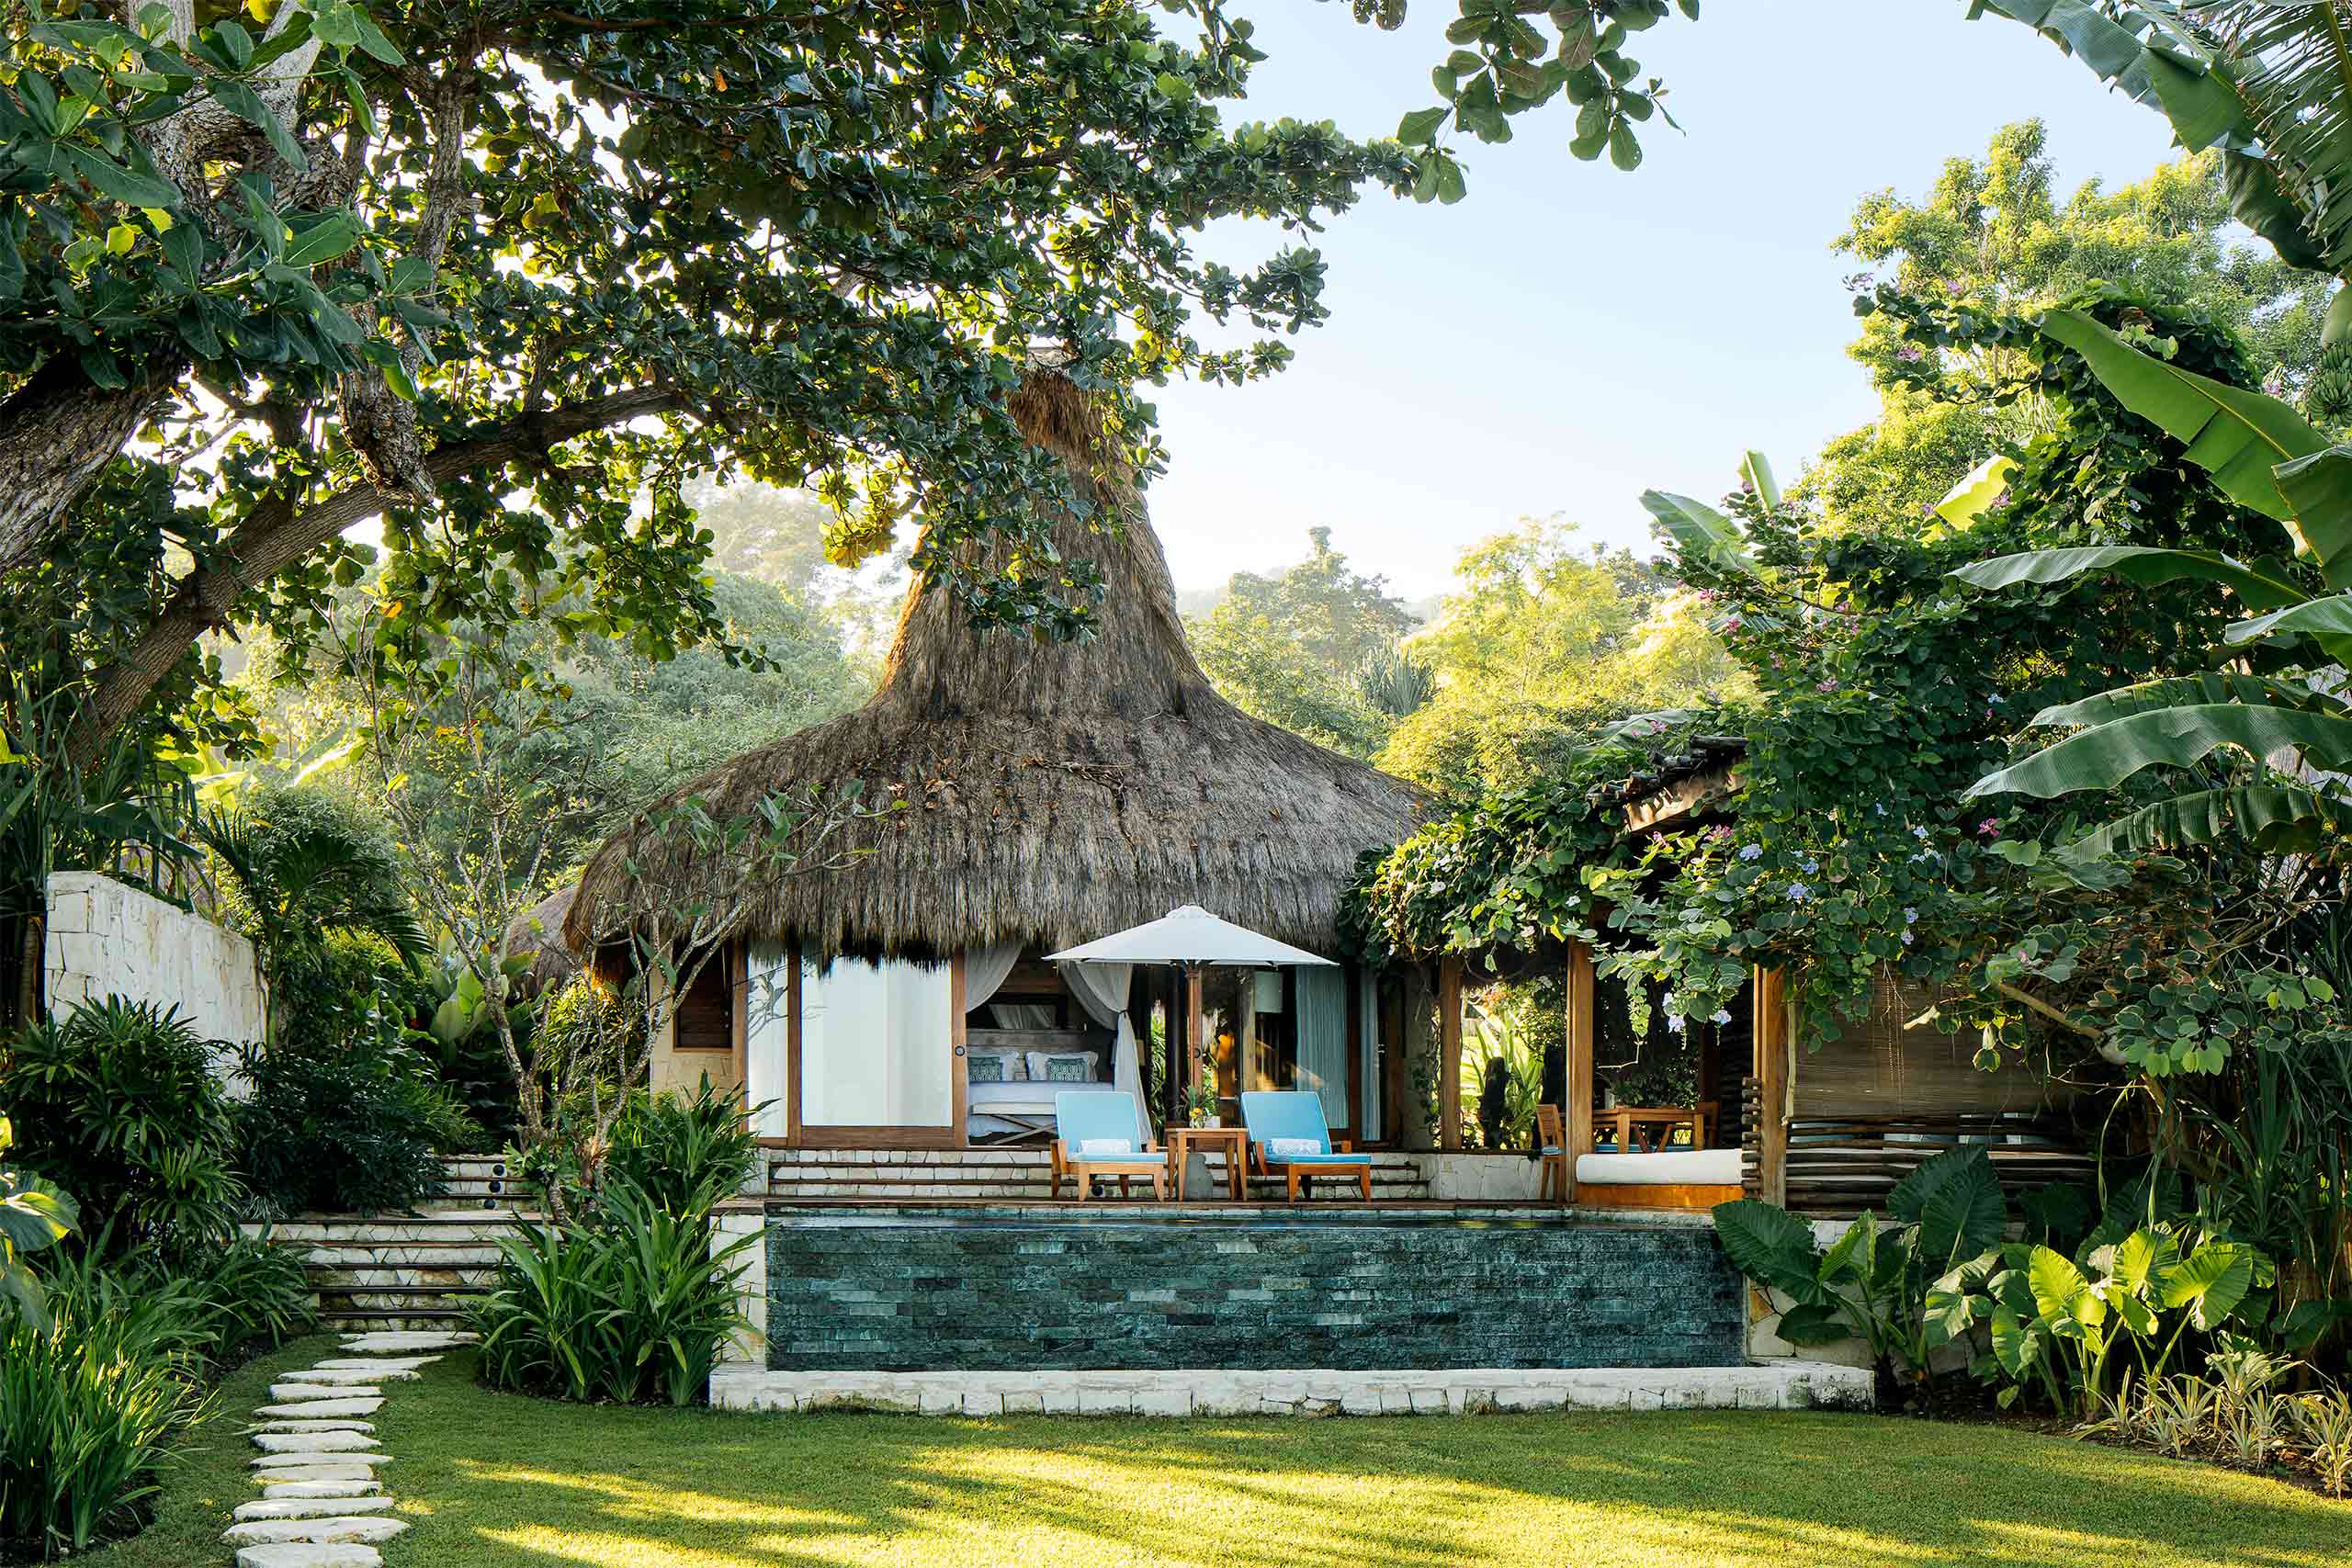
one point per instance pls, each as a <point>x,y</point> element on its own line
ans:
<point>1544,641</point>
<point>508,275</point>
<point>1310,648</point>
<point>1993,233</point>
<point>1884,694</point>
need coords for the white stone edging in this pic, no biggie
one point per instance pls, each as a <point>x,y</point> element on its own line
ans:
<point>1782,1385</point>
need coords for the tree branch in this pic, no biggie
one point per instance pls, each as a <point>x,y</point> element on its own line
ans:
<point>280,531</point>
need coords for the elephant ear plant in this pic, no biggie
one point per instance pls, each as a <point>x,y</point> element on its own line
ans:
<point>2060,1321</point>
<point>1881,1281</point>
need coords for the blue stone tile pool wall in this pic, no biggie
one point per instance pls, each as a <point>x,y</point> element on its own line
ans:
<point>1003,1291</point>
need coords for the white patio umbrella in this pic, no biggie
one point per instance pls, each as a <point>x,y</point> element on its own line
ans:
<point>1189,936</point>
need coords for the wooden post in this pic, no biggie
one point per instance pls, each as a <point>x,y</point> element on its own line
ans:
<point>958,1071</point>
<point>1771,1086</point>
<point>1449,1045</point>
<point>1577,1114</point>
<point>1353,977</point>
<point>1195,1048</point>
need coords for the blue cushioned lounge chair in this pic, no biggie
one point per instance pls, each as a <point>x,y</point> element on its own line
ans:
<point>1106,1119</point>
<point>1287,1132</point>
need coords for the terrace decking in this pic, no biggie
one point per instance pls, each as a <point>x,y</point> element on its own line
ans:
<point>1001,1175</point>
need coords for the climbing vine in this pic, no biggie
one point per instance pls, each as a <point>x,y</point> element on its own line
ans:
<point>1886,690</point>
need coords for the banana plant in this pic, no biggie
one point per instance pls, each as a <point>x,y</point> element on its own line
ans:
<point>2261,81</point>
<point>2285,697</point>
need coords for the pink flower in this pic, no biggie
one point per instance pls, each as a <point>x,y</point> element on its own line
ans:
<point>1989,828</point>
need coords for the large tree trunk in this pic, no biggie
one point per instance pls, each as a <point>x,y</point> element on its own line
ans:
<point>56,434</point>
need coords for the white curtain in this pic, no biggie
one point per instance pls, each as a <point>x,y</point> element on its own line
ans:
<point>985,970</point>
<point>767,993</point>
<point>1025,1015</point>
<point>1101,989</point>
<point>1322,1037</point>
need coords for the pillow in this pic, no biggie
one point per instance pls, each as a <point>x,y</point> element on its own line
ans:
<point>1284,1148</point>
<point>985,1069</point>
<point>1036,1061</point>
<point>1012,1067</point>
<point>1071,1070</point>
<point>1107,1146</point>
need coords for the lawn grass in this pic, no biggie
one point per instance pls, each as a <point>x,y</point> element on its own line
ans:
<point>495,1480</point>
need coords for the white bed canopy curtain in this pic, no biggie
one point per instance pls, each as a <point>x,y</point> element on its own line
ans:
<point>1102,990</point>
<point>1190,938</point>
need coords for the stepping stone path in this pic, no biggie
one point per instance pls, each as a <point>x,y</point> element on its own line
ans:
<point>321,1505</point>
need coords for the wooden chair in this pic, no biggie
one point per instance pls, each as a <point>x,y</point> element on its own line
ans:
<point>1552,1156</point>
<point>1094,1135</point>
<point>1294,1118</point>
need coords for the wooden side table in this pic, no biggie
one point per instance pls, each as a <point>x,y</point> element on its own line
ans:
<point>1235,1141</point>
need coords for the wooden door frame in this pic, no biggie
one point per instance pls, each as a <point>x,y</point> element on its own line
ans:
<point>955,1135</point>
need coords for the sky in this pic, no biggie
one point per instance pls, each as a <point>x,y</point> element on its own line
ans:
<point>1569,335</point>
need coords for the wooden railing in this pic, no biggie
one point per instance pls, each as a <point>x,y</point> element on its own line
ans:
<point>1839,1166</point>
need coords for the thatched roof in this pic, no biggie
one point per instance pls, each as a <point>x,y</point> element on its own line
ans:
<point>1055,793</point>
<point>539,932</point>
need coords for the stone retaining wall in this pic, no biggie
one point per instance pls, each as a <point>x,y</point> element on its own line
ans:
<point>989,1289</point>
<point>103,939</point>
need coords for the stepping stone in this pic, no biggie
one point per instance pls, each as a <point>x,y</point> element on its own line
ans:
<point>351,1530</point>
<point>264,1479</point>
<point>391,1363</point>
<point>339,1377</point>
<point>286,1461</point>
<point>310,1508</point>
<point>297,1390</point>
<point>313,1443</point>
<point>303,1556</point>
<point>333,1423</point>
<point>407,1339</point>
<point>317,1409</point>
<point>322,1490</point>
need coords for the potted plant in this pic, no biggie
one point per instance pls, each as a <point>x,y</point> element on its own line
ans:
<point>1200,1101</point>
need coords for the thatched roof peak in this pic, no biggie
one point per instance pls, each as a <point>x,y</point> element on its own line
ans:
<point>1055,792</point>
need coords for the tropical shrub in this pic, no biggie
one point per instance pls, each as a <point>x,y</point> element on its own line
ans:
<point>2061,1321</point>
<point>633,1300</point>
<point>2235,1413</point>
<point>120,1104</point>
<point>33,1217</point>
<point>349,1131</point>
<point>688,1152</point>
<point>254,1295</point>
<point>93,1401</point>
<point>1881,1283</point>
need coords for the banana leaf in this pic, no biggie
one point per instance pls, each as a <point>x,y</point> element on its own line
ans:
<point>1701,530</point>
<point>2276,819</point>
<point>2184,691</point>
<point>2180,736</point>
<point>2143,564</point>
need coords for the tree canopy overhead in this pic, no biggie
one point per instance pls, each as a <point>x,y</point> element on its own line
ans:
<point>511,274</point>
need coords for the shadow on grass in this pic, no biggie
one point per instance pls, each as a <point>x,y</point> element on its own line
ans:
<point>497,1480</point>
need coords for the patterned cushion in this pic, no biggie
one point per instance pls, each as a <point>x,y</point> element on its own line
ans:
<point>986,1069</point>
<point>1070,1069</point>
<point>1107,1146</point>
<point>1284,1148</point>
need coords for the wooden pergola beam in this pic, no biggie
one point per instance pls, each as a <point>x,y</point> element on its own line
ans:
<point>1448,1046</point>
<point>1582,1033</point>
<point>1771,1067</point>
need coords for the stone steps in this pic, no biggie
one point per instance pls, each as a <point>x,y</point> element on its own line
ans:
<point>409,1270</point>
